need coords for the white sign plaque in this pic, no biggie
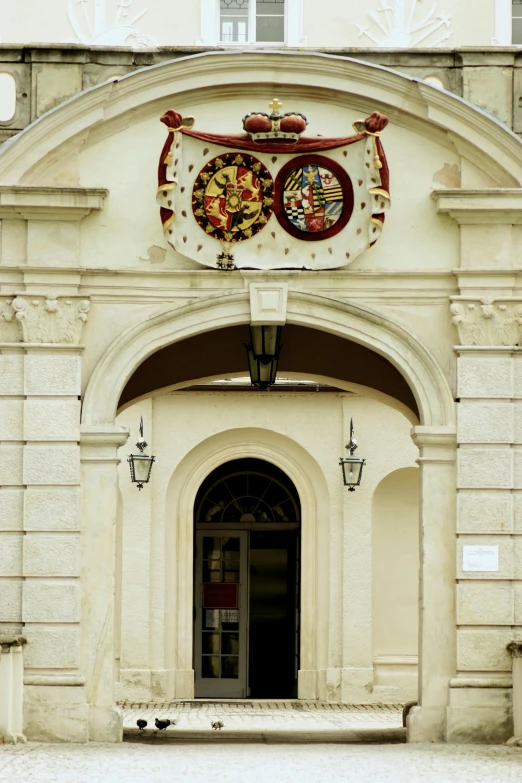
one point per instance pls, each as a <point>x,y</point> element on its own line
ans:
<point>480,558</point>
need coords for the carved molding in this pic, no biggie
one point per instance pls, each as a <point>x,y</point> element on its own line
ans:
<point>515,649</point>
<point>398,24</point>
<point>43,319</point>
<point>487,322</point>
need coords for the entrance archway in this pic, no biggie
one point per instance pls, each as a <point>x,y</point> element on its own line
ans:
<point>434,437</point>
<point>247,518</point>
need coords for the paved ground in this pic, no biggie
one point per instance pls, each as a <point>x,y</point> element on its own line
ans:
<point>252,716</point>
<point>202,763</point>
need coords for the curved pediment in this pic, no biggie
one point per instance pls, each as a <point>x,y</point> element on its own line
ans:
<point>210,80</point>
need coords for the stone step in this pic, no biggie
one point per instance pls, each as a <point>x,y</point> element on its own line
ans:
<point>270,736</point>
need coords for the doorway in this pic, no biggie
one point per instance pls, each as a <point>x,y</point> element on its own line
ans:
<point>247,520</point>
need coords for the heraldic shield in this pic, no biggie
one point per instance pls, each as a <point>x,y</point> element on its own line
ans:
<point>269,198</point>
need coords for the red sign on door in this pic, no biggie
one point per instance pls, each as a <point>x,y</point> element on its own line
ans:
<point>220,595</point>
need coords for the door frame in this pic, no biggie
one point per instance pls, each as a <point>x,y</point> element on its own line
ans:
<point>309,480</point>
<point>222,688</point>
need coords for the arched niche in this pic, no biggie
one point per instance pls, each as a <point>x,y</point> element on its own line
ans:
<point>395,578</point>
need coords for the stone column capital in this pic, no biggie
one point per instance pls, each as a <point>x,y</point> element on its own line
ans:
<point>100,443</point>
<point>43,319</point>
<point>489,321</point>
<point>436,444</point>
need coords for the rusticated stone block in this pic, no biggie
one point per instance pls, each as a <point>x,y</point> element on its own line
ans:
<point>52,509</point>
<point>11,374</point>
<point>10,465</point>
<point>10,554</point>
<point>491,89</point>
<point>483,650</point>
<point>517,587</point>
<point>485,376</point>
<point>46,602</point>
<point>11,509</point>
<point>479,725</point>
<point>10,600</point>
<point>485,422</point>
<point>55,713</point>
<point>51,464</point>
<point>517,557</point>
<point>52,420</point>
<point>487,467</point>
<point>517,511</point>
<point>11,419</point>
<point>480,603</point>
<point>54,84</point>
<point>51,648</point>
<point>51,554</point>
<point>485,511</point>
<point>52,374</point>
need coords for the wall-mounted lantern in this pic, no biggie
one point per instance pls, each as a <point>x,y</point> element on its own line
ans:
<point>140,464</point>
<point>352,467</point>
<point>263,355</point>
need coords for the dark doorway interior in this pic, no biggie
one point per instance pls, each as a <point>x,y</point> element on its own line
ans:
<point>273,615</point>
<point>255,497</point>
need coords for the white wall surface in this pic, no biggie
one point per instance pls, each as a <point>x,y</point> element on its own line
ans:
<point>396,563</point>
<point>394,24</point>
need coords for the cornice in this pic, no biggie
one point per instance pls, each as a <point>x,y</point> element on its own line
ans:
<point>476,207</point>
<point>31,202</point>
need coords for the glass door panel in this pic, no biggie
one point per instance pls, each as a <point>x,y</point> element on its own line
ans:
<point>220,643</point>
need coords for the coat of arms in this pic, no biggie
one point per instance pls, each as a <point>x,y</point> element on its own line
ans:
<point>270,198</point>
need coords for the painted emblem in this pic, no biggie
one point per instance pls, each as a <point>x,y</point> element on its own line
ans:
<point>233,197</point>
<point>314,197</point>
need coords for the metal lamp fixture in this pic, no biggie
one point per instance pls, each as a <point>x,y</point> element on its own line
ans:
<point>352,467</point>
<point>140,464</point>
<point>263,355</point>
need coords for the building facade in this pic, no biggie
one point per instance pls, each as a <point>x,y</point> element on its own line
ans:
<point>244,568</point>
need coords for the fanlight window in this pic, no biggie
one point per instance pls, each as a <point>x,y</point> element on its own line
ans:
<point>252,21</point>
<point>247,497</point>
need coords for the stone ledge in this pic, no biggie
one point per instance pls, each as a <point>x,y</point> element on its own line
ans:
<point>476,207</point>
<point>30,202</point>
<point>275,736</point>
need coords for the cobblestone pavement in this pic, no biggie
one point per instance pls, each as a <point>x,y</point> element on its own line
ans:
<point>202,763</point>
<point>262,716</point>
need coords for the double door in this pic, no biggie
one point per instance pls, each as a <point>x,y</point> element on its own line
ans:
<point>246,630</point>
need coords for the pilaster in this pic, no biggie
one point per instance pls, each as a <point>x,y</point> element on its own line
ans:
<point>488,594</point>
<point>40,490</point>
<point>99,466</point>
<point>437,648</point>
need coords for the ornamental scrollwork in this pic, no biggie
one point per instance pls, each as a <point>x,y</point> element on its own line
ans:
<point>43,319</point>
<point>487,322</point>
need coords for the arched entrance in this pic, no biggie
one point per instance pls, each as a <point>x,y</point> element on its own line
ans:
<point>247,521</point>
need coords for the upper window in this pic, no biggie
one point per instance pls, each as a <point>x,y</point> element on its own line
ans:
<point>252,21</point>
<point>516,15</point>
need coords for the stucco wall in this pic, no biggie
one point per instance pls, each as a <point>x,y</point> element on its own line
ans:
<point>178,422</point>
<point>337,24</point>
